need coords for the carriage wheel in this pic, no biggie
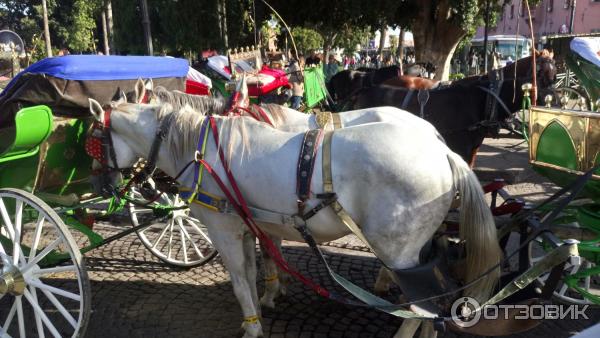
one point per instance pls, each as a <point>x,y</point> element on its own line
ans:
<point>177,239</point>
<point>580,283</point>
<point>573,98</point>
<point>44,287</point>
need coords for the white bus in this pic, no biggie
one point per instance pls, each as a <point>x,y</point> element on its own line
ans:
<point>510,47</point>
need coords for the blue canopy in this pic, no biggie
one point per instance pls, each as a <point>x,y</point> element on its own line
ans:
<point>100,67</point>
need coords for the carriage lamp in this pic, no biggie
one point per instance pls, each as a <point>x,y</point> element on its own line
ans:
<point>526,88</point>
<point>564,101</point>
<point>548,100</point>
<point>582,103</point>
<point>230,86</point>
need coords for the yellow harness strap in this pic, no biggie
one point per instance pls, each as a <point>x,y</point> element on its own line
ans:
<point>328,188</point>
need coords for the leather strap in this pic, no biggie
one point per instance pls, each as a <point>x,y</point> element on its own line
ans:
<point>407,98</point>
<point>328,189</point>
<point>306,164</point>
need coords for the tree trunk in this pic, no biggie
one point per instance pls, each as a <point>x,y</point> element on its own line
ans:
<point>328,41</point>
<point>382,36</point>
<point>146,24</point>
<point>222,15</point>
<point>111,31</point>
<point>46,29</point>
<point>105,33</point>
<point>436,36</point>
<point>400,53</point>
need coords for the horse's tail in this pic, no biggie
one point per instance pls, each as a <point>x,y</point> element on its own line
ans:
<point>477,229</point>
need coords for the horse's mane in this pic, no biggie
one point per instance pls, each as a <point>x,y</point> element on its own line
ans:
<point>184,133</point>
<point>204,105</point>
<point>278,116</point>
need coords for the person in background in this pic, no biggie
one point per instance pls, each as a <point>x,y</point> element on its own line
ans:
<point>296,79</point>
<point>313,59</point>
<point>331,68</point>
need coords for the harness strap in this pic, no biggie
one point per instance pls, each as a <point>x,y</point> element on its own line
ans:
<point>328,189</point>
<point>306,165</point>
<point>423,98</point>
<point>407,98</point>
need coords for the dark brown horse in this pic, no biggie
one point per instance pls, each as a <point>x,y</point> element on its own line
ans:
<point>461,112</point>
<point>411,82</point>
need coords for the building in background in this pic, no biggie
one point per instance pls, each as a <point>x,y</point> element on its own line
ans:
<point>549,17</point>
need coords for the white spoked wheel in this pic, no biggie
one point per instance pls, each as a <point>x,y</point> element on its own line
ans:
<point>588,284</point>
<point>179,239</point>
<point>44,287</point>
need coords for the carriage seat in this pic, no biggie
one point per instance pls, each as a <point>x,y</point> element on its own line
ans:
<point>32,126</point>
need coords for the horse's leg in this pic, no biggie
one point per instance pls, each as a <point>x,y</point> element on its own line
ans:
<point>228,239</point>
<point>408,328</point>
<point>275,279</point>
<point>427,330</point>
<point>249,245</point>
<point>382,284</point>
<point>473,157</point>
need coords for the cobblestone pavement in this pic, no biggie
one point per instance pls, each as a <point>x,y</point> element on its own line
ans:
<point>135,295</point>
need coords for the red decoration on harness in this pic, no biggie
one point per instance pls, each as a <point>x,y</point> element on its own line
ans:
<point>93,147</point>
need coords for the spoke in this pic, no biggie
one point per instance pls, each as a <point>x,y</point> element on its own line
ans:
<point>170,245</point>
<point>197,228</point>
<point>20,318</point>
<point>36,237</point>
<point>38,320</point>
<point>36,307</point>
<point>162,234</point>
<point>10,317</point>
<point>587,282</point>
<point>40,285</point>
<point>6,219</point>
<point>58,269</point>
<point>183,243</point>
<point>41,255</point>
<point>198,251</point>
<point>61,309</point>
<point>17,237</point>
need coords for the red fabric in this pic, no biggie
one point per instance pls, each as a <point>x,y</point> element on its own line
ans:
<point>196,88</point>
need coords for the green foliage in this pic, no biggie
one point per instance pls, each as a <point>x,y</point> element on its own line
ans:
<point>456,76</point>
<point>307,39</point>
<point>349,38</point>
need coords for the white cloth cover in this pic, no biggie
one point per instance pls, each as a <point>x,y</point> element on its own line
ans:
<point>588,48</point>
<point>219,62</point>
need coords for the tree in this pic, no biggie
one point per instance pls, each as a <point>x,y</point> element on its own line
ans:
<point>307,39</point>
<point>46,29</point>
<point>349,38</point>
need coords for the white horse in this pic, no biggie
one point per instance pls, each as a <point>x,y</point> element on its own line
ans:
<point>287,119</point>
<point>396,181</point>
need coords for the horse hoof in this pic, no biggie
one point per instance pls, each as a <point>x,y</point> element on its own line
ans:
<point>269,303</point>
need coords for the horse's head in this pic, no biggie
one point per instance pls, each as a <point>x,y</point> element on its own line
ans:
<point>110,151</point>
<point>546,69</point>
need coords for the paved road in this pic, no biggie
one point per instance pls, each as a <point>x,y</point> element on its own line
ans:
<point>134,295</point>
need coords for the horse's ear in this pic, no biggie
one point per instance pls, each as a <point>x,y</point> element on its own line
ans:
<point>242,88</point>
<point>122,97</point>
<point>96,110</point>
<point>149,84</point>
<point>140,90</point>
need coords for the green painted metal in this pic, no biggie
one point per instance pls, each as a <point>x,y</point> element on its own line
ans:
<point>314,86</point>
<point>587,73</point>
<point>556,147</point>
<point>32,127</point>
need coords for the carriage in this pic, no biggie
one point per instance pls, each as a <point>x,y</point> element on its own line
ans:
<point>47,206</point>
<point>577,77</point>
<point>265,84</point>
